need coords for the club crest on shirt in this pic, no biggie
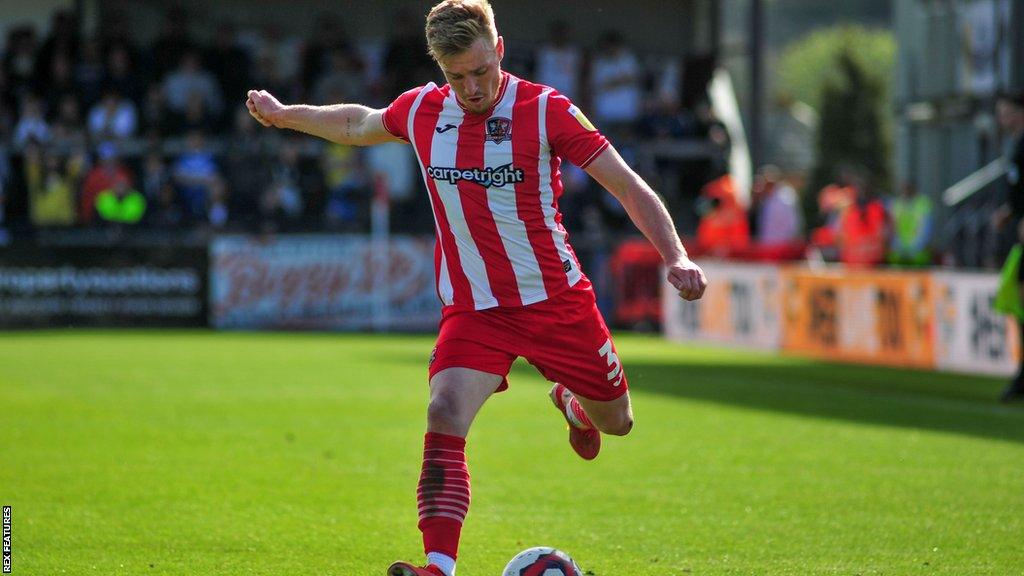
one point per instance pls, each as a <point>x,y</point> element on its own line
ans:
<point>499,129</point>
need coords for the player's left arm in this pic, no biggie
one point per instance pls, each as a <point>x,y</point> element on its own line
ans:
<point>647,211</point>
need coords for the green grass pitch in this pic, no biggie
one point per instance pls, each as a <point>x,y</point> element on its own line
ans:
<point>201,453</point>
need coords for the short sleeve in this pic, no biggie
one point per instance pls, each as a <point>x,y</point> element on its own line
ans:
<point>570,133</point>
<point>396,115</point>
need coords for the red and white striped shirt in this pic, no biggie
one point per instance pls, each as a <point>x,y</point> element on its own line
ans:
<point>494,184</point>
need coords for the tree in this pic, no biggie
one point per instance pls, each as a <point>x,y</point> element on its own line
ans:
<point>845,74</point>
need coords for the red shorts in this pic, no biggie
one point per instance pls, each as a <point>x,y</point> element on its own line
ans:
<point>564,337</point>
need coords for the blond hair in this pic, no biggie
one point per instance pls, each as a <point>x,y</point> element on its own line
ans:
<point>454,25</point>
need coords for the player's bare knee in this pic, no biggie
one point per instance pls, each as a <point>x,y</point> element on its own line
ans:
<point>443,413</point>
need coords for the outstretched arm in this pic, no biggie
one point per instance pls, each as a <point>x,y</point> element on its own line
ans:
<point>650,216</point>
<point>342,123</point>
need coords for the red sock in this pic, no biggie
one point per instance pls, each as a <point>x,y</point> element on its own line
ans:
<point>443,493</point>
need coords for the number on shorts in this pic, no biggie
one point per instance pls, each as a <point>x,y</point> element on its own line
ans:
<point>615,375</point>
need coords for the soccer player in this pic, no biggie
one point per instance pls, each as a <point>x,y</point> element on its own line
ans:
<point>489,147</point>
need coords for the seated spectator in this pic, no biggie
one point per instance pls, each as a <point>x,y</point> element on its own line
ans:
<point>912,228</point>
<point>190,78</point>
<point>167,213</point>
<point>113,117</point>
<point>120,205</point>
<point>103,176</point>
<point>281,202</point>
<point>615,76</point>
<point>68,128</point>
<point>52,183</point>
<point>347,186</point>
<point>723,229</point>
<point>120,76</point>
<point>194,173</point>
<point>863,229</point>
<point>154,174</point>
<point>217,211</point>
<point>778,219</point>
<point>31,124</point>
<point>19,59</point>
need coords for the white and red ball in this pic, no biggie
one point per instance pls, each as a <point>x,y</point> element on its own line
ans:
<point>542,561</point>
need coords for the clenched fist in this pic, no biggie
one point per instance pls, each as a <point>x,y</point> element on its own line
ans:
<point>687,278</point>
<point>265,108</point>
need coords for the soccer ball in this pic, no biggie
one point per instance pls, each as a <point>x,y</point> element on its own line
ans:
<point>542,561</point>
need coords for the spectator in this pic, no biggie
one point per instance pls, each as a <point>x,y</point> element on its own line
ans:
<point>229,63</point>
<point>190,78</point>
<point>31,125</point>
<point>113,117</point>
<point>167,214</point>
<point>723,229</point>
<point>342,81</point>
<point>281,202</point>
<point>833,200</point>
<point>107,172</point>
<point>328,36</point>
<point>912,228</point>
<point>217,212</point>
<point>171,44</point>
<point>62,40</point>
<point>119,75</point>
<point>1010,216</point>
<point>154,175</point>
<point>195,173</point>
<point>615,85</point>
<point>51,184</point>
<point>196,116</point>
<point>777,209</point>
<point>347,186</point>
<point>863,228</point>
<point>406,61</point>
<point>19,60</point>
<point>59,84</point>
<point>90,73</point>
<point>121,205</point>
<point>246,170</point>
<point>157,120</point>
<point>68,128</point>
<point>559,61</point>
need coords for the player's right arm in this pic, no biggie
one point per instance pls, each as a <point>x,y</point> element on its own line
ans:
<point>351,124</point>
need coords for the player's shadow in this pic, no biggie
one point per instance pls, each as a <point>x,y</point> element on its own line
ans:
<point>891,397</point>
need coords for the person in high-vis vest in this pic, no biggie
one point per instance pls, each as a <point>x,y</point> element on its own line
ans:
<point>121,204</point>
<point>1010,114</point>
<point>912,228</point>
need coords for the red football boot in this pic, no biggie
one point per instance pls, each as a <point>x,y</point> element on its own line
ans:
<point>586,443</point>
<point>406,569</point>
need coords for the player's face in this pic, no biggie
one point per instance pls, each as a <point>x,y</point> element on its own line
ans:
<point>475,74</point>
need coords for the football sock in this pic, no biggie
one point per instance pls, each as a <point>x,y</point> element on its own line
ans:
<point>573,411</point>
<point>443,496</point>
<point>443,561</point>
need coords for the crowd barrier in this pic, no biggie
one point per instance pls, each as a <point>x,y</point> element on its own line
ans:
<point>937,320</point>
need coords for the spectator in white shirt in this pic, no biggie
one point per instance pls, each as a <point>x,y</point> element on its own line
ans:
<point>615,83</point>
<point>31,124</point>
<point>190,78</point>
<point>559,61</point>
<point>778,208</point>
<point>113,117</point>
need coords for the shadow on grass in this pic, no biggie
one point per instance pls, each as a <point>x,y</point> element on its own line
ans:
<point>890,397</point>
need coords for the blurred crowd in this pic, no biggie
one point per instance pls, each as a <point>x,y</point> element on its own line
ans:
<point>99,131</point>
<point>852,221</point>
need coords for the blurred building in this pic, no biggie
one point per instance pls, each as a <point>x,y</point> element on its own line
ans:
<point>955,57</point>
